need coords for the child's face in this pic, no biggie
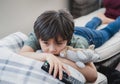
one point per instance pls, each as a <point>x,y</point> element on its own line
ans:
<point>53,47</point>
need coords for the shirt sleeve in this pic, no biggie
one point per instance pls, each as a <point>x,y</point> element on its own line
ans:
<point>79,42</point>
<point>32,42</point>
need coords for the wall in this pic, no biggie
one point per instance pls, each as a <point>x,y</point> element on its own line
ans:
<point>19,15</point>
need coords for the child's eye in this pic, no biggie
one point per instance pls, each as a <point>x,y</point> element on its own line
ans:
<point>59,43</point>
<point>45,42</point>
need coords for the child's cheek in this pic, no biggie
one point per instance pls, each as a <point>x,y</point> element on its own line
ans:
<point>45,50</point>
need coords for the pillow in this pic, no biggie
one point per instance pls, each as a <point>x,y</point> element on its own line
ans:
<point>80,10</point>
<point>13,41</point>
<point>83,7</point>
<point>16,69</point>
<point>84,2</point>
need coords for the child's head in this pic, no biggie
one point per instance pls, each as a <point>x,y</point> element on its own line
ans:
<point>54,26</point>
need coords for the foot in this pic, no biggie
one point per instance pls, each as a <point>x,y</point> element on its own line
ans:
<point>105,20</point>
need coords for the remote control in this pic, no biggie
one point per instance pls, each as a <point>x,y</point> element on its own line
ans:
<point>65,78</point>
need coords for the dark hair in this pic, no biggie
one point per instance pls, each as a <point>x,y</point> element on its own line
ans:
<point>52,24</point>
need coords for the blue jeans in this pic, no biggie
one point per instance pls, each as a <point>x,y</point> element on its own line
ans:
<point>98,37</point>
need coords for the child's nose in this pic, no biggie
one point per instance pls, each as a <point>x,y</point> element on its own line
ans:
<point>52,49</point>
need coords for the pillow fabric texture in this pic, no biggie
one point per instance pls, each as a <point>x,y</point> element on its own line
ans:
<point>14,41</point>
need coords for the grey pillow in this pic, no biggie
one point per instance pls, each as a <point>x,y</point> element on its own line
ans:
<point>83,2</point>
<point>83,7</point>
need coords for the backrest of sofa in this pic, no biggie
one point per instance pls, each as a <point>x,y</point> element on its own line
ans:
<point>83,7</point>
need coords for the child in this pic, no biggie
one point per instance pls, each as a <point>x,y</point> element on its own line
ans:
<point>53,32</point>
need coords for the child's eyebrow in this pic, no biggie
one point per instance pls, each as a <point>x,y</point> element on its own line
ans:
<point>61,41</point>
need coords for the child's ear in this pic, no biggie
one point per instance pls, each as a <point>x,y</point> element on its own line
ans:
<point>92,47</point>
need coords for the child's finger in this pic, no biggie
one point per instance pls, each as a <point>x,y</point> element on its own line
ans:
<point>55,70</point>
<point>66,70</point>
<point>51,67</point>
<point>60,72</point>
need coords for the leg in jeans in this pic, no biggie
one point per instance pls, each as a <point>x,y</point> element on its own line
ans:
<point>113,27</point>
<point>98,37</point>
<point>94,23</point>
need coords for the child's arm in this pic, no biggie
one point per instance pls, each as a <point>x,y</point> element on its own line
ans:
<point>89,71</point>
<point>54,62</point>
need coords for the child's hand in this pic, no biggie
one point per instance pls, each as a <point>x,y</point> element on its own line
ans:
<point>57,65</point>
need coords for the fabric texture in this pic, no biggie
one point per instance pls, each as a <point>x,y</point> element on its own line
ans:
<point>112,8</point>
<point>32,41</point>
<point>14,41</point>
<point>84,2</point>
<point>83,7</point>
<point>79,42</point>
<point>16,69</point>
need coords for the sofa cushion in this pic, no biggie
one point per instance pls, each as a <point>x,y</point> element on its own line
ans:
<point>83,7</point>
<point>84,2</point>
<point>110,48</point>
<point>80,10</point>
